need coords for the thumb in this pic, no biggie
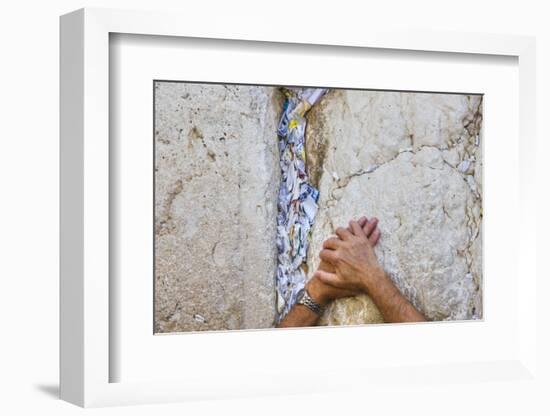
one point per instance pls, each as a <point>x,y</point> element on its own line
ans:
<point>327,278</point>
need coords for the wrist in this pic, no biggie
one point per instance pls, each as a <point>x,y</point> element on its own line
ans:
<point>373,279</point>
<point>317,293</point>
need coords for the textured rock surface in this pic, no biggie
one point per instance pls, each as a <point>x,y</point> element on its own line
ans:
<point>216,164</point>
<point>414,161</point>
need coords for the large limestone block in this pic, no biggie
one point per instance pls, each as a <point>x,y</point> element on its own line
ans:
<point>216,163</point>
<point>414,161</point>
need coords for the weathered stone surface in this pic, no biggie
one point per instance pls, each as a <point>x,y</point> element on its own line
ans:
<point>216,167</point>
<point>414,161</point>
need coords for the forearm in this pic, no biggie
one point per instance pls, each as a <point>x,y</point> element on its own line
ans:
<point>393,306</point>
<point>301,315</point>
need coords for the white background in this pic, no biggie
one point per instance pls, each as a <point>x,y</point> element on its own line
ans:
<point>140,59</point>
<point>29,209</point>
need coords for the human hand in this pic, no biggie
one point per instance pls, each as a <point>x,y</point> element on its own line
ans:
<point>354,264</point>
<point>322,292</point>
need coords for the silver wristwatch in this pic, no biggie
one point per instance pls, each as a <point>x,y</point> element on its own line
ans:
<point>305,299</point>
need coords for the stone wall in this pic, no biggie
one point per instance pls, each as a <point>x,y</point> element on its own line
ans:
<point>415,162</point>
<point>216,170</point>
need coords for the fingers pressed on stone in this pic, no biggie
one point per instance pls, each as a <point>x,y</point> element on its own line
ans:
<point>332,243</point>
<point>328,278</point>
<point>328,255</point>
<point>343,233</point>
<point>356,229</point>
<point>370,226</point>
<point>374,237</point>
<point>362,222</point>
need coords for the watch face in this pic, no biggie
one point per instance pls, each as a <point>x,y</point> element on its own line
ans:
<point>300,295</point>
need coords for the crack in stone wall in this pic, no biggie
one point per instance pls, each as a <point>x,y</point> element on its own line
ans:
<point>297,200</point>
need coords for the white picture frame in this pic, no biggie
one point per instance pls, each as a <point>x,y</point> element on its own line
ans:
<point>85,355</point>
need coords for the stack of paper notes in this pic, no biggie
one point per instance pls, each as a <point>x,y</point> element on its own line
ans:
<point>297,202</point>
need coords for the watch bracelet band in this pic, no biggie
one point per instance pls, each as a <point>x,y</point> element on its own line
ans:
<point>309,303</point>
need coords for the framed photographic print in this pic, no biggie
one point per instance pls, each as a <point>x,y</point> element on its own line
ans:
<point>231,204</point>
